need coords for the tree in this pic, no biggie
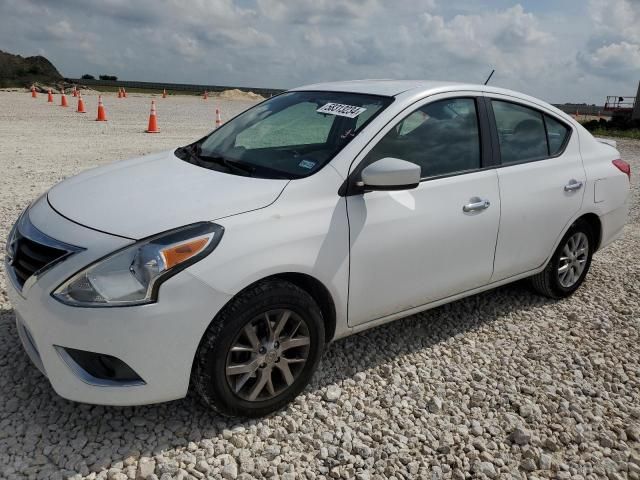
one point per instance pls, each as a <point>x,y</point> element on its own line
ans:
<point>108,77</point>
<point>86,76</point>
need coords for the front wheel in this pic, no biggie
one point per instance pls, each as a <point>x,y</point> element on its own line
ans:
<point>569,265</point>
<point>260,351</point>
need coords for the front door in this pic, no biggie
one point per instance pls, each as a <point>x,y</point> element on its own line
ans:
<point>413,247</point>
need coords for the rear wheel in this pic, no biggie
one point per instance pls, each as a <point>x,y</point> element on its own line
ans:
<point>569,265</point>
<point>260,351</point>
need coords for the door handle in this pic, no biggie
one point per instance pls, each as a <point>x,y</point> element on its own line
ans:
<point>573,185</point>
<point>476,204</point>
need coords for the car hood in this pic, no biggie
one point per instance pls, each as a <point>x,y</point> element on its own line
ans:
<point>144,196</point>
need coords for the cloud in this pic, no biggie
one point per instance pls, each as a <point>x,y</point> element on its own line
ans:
<point>318,11</point>
<point>511,40</point>
<point>618,60</point>
<point>564,51</point>
<point>186,46</point>
<point>613,50</point>
<point>616,18</point>
<point>316,39</point>
<point>213,14</point>
<point>70,37</point>
<point>369,50</point>
<point>61,30</point>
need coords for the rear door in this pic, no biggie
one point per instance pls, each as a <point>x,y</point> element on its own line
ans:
<point>541,182</point>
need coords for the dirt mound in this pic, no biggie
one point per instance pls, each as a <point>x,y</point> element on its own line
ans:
<point>88,90</point>
<point>236,94</point>
<point>18,71</point>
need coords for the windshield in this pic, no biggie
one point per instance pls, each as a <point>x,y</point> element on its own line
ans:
<point>289,136</point>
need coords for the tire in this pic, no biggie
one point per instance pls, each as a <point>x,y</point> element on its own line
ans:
<point>263,357</point>
<point>550,282</point>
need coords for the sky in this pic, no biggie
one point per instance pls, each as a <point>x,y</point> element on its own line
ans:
<point>557,50</point>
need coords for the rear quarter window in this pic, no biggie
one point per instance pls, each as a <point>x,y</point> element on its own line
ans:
<point>557,134</point>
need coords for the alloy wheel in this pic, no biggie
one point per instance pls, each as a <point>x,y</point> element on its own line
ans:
<point>573,259</point>
<point>268,355</point>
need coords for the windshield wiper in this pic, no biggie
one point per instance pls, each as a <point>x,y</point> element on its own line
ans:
<point>229,164</point>
<point>182,152</point>
<point>195,152</point>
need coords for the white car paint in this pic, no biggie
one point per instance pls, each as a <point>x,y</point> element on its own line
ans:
<point>535,205</point>
<point>380,255</point>
<point>177,193</point>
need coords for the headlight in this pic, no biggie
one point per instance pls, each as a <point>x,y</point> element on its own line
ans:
<point>132,276</point>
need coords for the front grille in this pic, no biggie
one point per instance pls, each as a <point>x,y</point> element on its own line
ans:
<point>30,257</point>
<point>30,252</point>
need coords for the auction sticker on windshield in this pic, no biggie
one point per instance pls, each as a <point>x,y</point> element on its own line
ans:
<point>341,110</point>
<point>307,164</point>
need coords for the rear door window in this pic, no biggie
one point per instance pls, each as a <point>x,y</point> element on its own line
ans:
<point>521,132</point>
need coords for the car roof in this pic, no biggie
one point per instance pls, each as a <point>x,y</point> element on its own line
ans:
<point>384,87</point>
<point>391,88</point>
<point>413,88</point>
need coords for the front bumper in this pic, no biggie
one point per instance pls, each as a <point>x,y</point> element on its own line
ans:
<point>158,341</point>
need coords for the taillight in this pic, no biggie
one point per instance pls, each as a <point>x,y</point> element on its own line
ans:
<point>623,166</point>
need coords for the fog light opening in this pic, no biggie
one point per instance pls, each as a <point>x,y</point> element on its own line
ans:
<point>99,368</point>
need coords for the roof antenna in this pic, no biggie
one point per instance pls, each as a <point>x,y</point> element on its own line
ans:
<point>489,77</point>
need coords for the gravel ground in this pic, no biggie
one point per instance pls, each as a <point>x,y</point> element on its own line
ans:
<point>500,385</point>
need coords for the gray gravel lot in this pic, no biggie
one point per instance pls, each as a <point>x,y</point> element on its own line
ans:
<point>504,384</point>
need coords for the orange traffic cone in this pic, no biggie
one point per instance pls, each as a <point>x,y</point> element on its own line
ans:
<point>80,104</point>
<point>164,93</point>
<point>124,93</point>
<point>63,100</point>
<point>102,116</point>
<point>74,92</point>
<point>218,119</point>
<point>50,97</point>
<point>205,96</point>
<point>119,93</point>
<point>33,92</point>
<point>153,119</point>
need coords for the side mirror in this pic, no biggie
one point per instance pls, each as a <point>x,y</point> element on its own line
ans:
<point>390,174</point>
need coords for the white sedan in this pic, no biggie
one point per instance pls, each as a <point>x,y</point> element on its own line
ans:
<point>228,264</point>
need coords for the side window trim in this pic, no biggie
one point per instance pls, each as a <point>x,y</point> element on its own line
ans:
<point>487,158</point>
<point>495,141</point>
<point>546,133</point>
